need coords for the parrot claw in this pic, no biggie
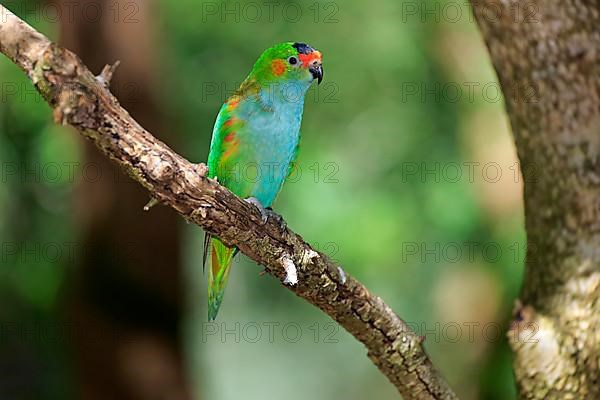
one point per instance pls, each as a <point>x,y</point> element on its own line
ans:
<point>278,218</point>
<point>263,211</point>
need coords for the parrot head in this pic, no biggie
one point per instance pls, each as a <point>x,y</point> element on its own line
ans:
<point>288,62</point>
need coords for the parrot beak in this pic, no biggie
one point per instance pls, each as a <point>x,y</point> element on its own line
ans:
<point>316,69</point>
<point>310,58</point>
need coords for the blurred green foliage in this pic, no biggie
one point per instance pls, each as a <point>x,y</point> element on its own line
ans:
<point>442,252</point>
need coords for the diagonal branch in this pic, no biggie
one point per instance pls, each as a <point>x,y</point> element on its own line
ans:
<point>79,99</point>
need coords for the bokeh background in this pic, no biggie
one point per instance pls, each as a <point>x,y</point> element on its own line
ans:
<point>407,176</point>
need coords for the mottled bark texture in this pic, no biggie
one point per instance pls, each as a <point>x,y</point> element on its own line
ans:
<point>547,57</point>
<point>79,99</point>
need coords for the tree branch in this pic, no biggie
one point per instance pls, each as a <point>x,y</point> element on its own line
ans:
<point>547,57</point>
<point>79,99</point>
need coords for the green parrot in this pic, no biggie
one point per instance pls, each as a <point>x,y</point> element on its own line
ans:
<point>255,141</point>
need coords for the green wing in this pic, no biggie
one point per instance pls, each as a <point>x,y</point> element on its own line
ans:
<point>228,152</point>
<point>225,162</point>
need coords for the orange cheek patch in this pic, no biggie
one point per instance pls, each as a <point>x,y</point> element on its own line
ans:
<point>278,67</point>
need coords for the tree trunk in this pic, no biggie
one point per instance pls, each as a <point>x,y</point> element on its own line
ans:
<point>547,57</point>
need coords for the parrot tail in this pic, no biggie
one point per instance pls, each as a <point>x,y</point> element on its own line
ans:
<point>221,257</point>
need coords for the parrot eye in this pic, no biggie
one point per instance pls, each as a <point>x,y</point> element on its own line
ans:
<point>293,60</point>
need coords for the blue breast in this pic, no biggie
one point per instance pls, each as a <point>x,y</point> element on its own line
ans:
<point>274,118</point>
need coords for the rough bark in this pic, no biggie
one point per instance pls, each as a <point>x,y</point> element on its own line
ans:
<point>547,57</point>
<point>79,99</point>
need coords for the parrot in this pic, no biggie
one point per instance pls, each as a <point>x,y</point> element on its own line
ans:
<point>255,142</point>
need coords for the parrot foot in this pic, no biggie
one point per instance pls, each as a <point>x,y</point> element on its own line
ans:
<point>267,213</point>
